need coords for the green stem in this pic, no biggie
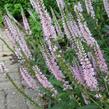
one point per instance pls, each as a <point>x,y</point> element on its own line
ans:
<point>89,95</point>
<point>106,86</point>
<point>6,44</point>
<point>96,103</point>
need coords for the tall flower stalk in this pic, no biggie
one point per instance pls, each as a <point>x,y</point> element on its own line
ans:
<point>49,34</point>
<point>87,68</point>
<point>17,36</point>
<point>87,36</point>
<point>46,21</point>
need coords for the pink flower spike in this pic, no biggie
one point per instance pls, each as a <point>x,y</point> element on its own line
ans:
<point>29,80</point>
<point>77,72</point>
<point>46,21</point>
<point>25,22</point>
<point>43,80</point>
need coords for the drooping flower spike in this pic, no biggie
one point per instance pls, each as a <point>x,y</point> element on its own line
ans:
<point>28,78</point>
<point>87,36</point>
<point>46,21</point>
<point>44,81</point>
<point>89,74</point>
<point>18,36</point>
<point>86,65</point>
<point>25,22</point>
<point>54,68</point>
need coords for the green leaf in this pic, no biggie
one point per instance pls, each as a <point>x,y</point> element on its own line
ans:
<point>64,105</point>
<point>90,106</point>
<point>106,106</point>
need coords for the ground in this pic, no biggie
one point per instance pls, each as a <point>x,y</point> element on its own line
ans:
<point>10,98</point>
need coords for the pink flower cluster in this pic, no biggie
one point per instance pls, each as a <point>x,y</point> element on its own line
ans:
<point>44,81</point>
<point>17,37</point>
<point>77,72</point>
<point>49,33</point>
<point>87,36</point>
<point>79,32</point>
<point>28,78</point>
<point>46,21</point>
<point>87,68</point>
<point>100,59</point>
<point>76,31</point>
<point>55,70</point>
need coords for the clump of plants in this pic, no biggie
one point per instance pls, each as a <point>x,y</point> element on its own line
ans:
<point>60,59</point>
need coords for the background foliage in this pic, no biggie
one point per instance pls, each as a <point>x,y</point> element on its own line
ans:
<point>14,6</point>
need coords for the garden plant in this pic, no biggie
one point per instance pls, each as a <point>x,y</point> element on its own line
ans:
<point>62,52</point>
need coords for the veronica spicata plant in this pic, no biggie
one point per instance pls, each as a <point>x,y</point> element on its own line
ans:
<point>81,83</point>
